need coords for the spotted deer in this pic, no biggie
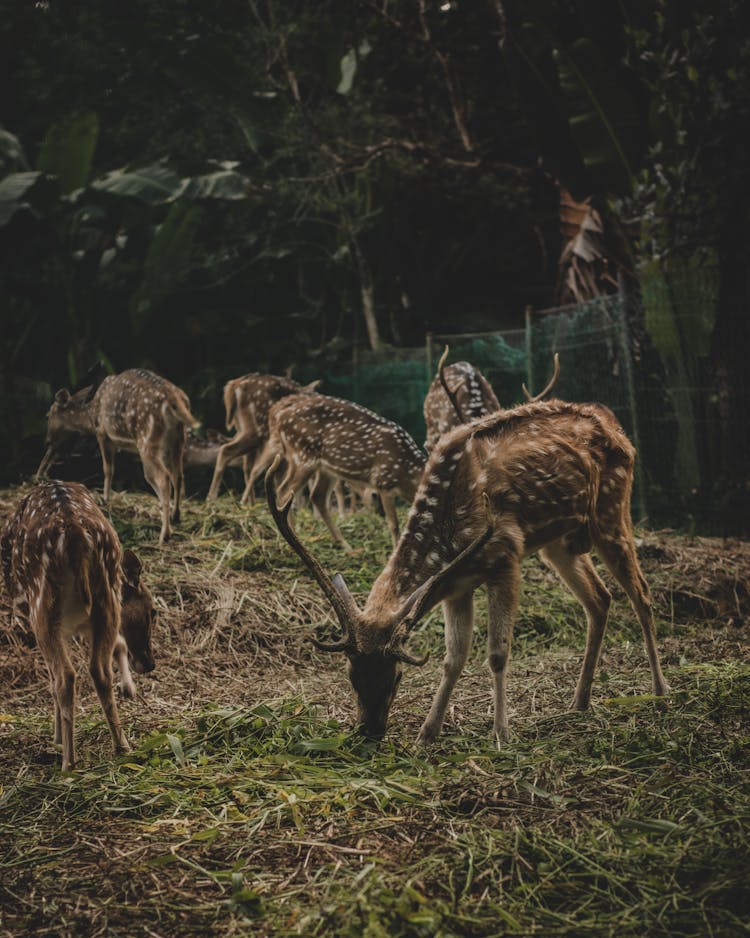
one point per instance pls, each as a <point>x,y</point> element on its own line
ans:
<point>247,401</point>
<point>328,439</point>
<point>135,410</point>
<point>551,477</point>
<point>65,573</point>
<point>460,393</point>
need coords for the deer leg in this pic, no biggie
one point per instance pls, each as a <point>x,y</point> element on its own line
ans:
<point>319,498</point>
<point>157,477</point>
<point>57,737</point>
<point>388,501</point>
<point>178,476</point>
<point>459,623</point>
<point>617,550</point>
<point>100,668</point>
<point>241,445</point>
<point>578,573</point>
<point>502,606</point>
<point>108,450</point>
<point>63,682</point>
<point>262,461</point>
<point>120,654</point>
<point>338,494</point>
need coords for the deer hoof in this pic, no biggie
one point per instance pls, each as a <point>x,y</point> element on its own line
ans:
<point>427,735</point>
<point>127,689</point>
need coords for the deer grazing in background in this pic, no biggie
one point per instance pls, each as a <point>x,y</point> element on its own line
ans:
<point>327,439</point>
<point>203,450</point>
<point>247,401</point>
<point>550,477</point>
<point>136,410</point>
<point>66,573</point>
<point>460,393</point>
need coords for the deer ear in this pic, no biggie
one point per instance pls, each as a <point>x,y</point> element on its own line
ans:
<point>131,568</point>
<point>62,396</point>
<point>312,385</point>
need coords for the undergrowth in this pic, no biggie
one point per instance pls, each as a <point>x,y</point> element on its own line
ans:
<point>249,805</point>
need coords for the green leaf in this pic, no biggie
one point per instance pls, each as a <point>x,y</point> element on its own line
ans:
<point>153,184</point>
<point>12,157</point>
<point>14,192</point>
<point>175,745</point>
<point>68,150</point>
<point>226,185</point>
<point>348,71</point>
<point>166,262</point>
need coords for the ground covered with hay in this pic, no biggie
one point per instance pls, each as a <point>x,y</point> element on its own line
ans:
<point>248,805</point>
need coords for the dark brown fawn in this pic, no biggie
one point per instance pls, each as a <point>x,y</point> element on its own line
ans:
<point>136,410</point>
<point>247,401</point>
<point>460,393</point>
<point>325,439</point>
<point>550,477</point>
<point>66,573</point>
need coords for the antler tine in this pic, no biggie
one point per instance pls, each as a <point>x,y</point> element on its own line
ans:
<point>47,461</point>
<point>550,384</point>
<point>423,599</point>
<point>449,393</point>
<point>341,607</point>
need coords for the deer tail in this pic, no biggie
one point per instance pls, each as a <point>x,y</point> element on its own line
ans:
<point>230,402</point>
<point>181,410</point>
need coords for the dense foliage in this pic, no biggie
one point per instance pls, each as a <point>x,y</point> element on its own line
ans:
<point>212,190</point>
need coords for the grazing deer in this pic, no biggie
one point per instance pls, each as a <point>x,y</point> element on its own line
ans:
<point>326,439</point>
<point>65,573</point>
<point>460,393</point>
<point>136,410</point>
<point>247,401</point>
<point>550,477</point>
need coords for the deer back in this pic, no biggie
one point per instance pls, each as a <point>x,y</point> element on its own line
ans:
<point>346,440</point>
<point>472,396</point>
<point>60,555</point>
<point>247,400</point>
<point>537,473</point>
<point>138,405</point>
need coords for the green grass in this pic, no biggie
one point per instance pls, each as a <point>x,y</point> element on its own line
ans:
<point>249,806</point>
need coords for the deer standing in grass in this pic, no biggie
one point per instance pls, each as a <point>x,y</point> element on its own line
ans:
<point>247,401</point>
<point>550,477</point>
<point>327,439</point>
<point>460,393</point>
<point>136,410</point>
<point>66,573</point>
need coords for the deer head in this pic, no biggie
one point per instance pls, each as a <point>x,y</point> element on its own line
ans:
<point>374,645</point>
<point>69,415</point>
<point>138,614</point>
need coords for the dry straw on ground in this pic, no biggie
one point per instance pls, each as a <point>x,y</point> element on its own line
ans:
<point>248,806</point>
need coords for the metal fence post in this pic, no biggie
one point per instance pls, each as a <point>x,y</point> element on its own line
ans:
<point>623,293</point>
<point>528,314</point>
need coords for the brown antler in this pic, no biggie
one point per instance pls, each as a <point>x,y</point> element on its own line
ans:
<point>335,589</point>
<point>450,394</point>
<point>550,384</point>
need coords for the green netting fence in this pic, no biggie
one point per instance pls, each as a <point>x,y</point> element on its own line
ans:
<point>670,415</point>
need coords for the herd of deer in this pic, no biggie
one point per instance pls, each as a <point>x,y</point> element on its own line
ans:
<point>497,485</point>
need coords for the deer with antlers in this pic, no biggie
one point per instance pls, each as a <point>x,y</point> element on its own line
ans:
<point>460,393</point>
<point>247,401</point>
<point>325,439</point>
<point>135,410</point>
<point>65,573</point>
<point>551,477</point>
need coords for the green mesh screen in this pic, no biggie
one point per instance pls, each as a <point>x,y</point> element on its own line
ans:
<point>500,356</point>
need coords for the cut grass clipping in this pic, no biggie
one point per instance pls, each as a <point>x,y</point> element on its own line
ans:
<point>248,805</point>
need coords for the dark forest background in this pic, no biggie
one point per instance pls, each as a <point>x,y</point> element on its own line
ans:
<point>209,189</point>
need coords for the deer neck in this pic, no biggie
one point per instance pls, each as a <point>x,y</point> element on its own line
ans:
<point>430,539</point>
